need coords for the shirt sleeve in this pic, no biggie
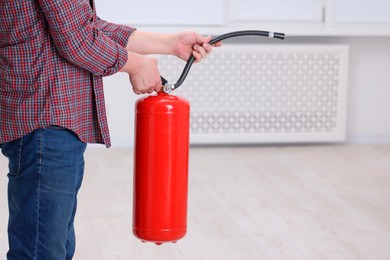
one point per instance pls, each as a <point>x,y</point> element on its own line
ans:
<point>117,32</point>
<point>79,40</point>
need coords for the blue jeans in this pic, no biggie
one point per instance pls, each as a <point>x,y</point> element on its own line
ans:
<point>45,173</point>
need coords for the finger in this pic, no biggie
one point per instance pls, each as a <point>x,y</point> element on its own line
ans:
<point>158,88</point>
<point>200,50</point>
<point>197,56</point>
<point>136,91</point>
<point>207,47</point>
<point>145,90</point>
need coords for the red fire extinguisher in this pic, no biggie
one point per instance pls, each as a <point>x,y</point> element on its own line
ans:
<point>161,159</point>
<point>161,168</point>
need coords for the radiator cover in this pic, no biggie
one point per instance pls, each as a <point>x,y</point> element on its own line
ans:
<point>265,93</point>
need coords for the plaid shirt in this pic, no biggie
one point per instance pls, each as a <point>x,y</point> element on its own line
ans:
<point>53,55</point>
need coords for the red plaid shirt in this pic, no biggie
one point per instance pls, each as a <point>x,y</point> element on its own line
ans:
<point>53,55</point>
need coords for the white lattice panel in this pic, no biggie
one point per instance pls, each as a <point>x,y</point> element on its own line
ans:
<point>262,94</point>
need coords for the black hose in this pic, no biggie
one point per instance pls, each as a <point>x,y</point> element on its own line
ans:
<point>222,37</point>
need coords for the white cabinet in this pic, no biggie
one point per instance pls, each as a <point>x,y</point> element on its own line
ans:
<point>166,13</point>
<point>363,11</point>
<point>277,10</point>
<point>294,17</point>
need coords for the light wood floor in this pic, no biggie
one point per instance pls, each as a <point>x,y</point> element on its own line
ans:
<point>270,202</point>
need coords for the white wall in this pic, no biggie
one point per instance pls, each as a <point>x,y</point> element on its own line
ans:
<point>369,90</point>
<point>368,112</point>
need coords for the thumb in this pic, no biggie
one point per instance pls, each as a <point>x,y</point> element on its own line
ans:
<point>203,39</point>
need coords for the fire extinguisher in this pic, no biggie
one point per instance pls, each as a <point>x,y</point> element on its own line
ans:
<point>161,151</point>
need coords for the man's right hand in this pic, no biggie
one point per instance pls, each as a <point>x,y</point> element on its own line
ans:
<point>143,73</point>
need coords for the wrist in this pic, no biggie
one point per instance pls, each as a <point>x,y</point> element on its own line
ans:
<point>131,63</point>
<point>171,41</point>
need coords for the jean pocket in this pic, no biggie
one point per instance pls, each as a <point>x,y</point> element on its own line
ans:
<point>13,151</point>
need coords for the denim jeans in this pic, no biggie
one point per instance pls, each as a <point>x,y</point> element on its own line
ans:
<point>45,173</point>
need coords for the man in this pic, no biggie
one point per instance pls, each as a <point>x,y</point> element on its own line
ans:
<point>53,55</point>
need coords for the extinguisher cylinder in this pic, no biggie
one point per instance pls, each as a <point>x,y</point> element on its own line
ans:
<point>161,168</point>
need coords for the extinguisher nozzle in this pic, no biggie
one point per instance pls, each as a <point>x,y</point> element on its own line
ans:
<point>276,35</point>
<point>279,36</point>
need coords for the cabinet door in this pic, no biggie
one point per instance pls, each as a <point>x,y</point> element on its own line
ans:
<point>277,10</point>
<point>156,12</point>
<point>363,11</point>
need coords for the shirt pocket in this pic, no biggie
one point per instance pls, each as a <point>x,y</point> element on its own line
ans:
<point>20,68</point>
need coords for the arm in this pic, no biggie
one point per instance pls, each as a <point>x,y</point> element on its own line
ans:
<point>150,43</point>
<point>117,32</point>
<point>182,44</point>
<point>78,40</point>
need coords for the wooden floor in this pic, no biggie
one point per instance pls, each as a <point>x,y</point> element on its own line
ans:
<point>269,202</point>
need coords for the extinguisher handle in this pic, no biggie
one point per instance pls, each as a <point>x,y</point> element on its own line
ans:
<point>163,81</point>
<point>170,87</point>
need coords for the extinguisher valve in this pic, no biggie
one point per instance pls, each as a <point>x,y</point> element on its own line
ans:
<point>168,88</point>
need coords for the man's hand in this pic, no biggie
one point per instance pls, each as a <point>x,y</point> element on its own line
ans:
<point>186,44</point>
<point>143,73</point>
